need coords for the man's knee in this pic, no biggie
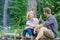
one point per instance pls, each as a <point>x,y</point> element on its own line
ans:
<point>43,29</point>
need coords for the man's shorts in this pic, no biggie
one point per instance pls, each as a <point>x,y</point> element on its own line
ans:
<point>48,33</point>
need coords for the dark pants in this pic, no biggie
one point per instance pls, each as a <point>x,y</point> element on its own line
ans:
<point>30,32</point>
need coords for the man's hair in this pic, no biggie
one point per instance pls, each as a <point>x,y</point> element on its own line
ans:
<point>47,9</point>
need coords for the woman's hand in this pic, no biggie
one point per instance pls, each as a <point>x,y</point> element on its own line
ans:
<point>34,31</point>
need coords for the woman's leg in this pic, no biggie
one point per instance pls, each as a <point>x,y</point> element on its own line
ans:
<point>23,38</point>
<point>30,32</point>
<point>32,37</point>
<point>24,34</point>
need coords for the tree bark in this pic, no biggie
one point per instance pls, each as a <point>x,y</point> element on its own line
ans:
<point>5,13</point>
<point>31,6</point>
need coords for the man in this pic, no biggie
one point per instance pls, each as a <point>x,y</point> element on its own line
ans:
<point>49,27</point>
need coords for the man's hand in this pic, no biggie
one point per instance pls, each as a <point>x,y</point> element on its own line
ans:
<point>37,27</point>
<point>40,19</point>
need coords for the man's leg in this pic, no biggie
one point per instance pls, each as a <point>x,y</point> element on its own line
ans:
<point>43,31</point>
<point>40,34</point>
<point>49,33</point>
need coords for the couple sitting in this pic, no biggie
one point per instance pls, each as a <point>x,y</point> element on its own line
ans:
<point>47,28</point>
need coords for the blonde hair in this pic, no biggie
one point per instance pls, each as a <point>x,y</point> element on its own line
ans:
<point>28,13</point>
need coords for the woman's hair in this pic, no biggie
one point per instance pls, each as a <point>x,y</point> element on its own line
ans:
<point>28,13</point>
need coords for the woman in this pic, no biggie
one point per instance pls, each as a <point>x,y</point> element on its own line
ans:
<point>30,25</point>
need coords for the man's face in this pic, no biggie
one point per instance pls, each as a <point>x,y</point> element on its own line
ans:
<point>45,14</point>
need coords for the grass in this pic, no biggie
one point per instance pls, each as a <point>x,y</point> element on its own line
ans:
<point>59,34</point>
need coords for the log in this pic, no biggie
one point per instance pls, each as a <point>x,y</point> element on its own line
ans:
<point>17,36</point>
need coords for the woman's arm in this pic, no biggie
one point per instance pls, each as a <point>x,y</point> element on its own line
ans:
<point>30,25</point>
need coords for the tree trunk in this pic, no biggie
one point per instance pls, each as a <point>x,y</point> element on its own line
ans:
<point>5,13</point>
<point>31,6</point>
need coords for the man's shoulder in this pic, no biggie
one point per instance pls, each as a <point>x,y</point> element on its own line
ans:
<point>52,17</point>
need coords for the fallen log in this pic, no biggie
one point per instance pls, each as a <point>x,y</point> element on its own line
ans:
<point>18,36</point>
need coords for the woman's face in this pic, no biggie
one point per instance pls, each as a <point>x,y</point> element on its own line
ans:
<point>31,16</point>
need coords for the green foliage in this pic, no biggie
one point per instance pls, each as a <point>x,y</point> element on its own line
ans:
<point>58,19</point>
<point>58,33</point>
<point>1,11</point>
<point>17,12</point>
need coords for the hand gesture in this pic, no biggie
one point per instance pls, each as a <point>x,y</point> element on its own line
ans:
<point>40,17</point>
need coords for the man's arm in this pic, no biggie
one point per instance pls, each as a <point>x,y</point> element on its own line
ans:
<point>48,22</point>
<point>38,26</point>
